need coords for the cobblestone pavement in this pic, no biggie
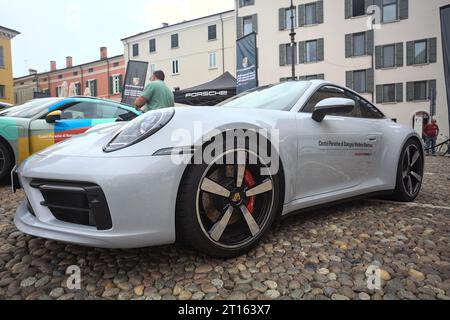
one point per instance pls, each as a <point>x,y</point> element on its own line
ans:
<point>319,255</point>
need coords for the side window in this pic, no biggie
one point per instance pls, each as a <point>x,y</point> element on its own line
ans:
<point>333,92</point>
<point>82,110</point>
<point>124,115</point>
<point>368,111</point>
<point>322,94</point>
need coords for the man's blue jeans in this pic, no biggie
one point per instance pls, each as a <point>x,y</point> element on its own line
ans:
<point>430,142</point>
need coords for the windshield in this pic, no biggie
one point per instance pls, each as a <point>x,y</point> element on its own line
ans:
<point>30,109</point>
<point>282,96</point>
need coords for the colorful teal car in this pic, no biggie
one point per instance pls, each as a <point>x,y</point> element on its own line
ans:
<point>38,124</point>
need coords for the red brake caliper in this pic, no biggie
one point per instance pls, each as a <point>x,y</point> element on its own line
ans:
<point>249,182</point>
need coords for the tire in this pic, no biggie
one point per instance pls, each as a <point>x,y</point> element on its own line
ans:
<point>6,162</point>
<point>223,226</point>
<point>409,173</point>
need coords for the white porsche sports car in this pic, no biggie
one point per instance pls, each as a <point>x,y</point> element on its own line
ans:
<point>185,175</point>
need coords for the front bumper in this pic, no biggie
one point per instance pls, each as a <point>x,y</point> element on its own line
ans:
<point>140,193</point>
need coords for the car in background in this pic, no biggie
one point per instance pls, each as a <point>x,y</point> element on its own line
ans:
<point>40,123</point>
<point>4,105</point>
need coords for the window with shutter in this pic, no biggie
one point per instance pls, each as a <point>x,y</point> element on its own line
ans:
<point>432,50</point>
<point>311,51</point>
<point>2,57</point>
<point>319,12</point>
<point>239,27</point>
<point>247,25</point>
<point>388,56</point>
<point>152,45</point>
<point>135,49</point>
<point>359,44</point>
<point>311,14</point>
<point>389,10</point>
<point>174,41</point>
<point>212,32</point>
<point>421,52</point>
<point>399,92</point>
<point>358,8</point>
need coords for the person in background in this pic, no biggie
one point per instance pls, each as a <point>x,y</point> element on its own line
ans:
<point>156,94</point>
<point>431,132</point>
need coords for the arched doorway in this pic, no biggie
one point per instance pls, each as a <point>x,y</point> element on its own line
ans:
<point>420,119</point>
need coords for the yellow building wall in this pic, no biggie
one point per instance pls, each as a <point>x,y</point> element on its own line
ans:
<point>6,72</point>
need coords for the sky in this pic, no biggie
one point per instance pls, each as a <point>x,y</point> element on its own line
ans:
<point>53,30</point>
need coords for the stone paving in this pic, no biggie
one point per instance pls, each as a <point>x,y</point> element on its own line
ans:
<point>319,255</point>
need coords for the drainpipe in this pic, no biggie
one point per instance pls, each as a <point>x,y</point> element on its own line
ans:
<point>82,81</point>
<point>107,77</point>
<point>223,44</point>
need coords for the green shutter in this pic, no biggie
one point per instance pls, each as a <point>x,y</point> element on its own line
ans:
<point>301,15</point>
<point>319,11</point>
<point>369,42</point>
<point>111,85</point>
<point>431,88</point>
<point>95,89</point>
<point>399,55</point>
<point>302,52</point>
<point>120,83</point>
<point>239,27</point>
<point>282,54</point>
<point>379,94</point>
<point>255,23</point>
<point>282,19</point>
<point>432,50</point>
<point>320,50</point>
<point>399,92</point>
<point>410,53</point>
<point>348,45</point>
<point>370,80</point>
<point>403,11</point>
<point>348,9</point>
<point>410,91</point>
<point>378,57</point>
<point>349,79</point>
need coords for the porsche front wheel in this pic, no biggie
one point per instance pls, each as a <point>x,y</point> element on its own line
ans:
<point>224,209</point>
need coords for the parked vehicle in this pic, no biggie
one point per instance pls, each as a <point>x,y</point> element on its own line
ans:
<point>129,187</point>
<point>40,123</point>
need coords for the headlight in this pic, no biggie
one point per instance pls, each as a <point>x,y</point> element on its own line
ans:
<point>140,129</point>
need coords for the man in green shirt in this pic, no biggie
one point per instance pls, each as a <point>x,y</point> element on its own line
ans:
<point>156,94</point>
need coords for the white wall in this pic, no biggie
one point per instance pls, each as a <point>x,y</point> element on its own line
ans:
<point>193,50</point>
<point>423,22</point>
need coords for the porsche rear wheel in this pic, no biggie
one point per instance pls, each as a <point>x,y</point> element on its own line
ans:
<point>224,209</point>
<point>410,173</point>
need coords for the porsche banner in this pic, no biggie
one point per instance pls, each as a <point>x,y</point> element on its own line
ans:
<point>247,63</point>
<point>445,28</point>
<point>134,81</point>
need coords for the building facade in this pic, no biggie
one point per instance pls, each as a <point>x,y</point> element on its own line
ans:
<point>102,78</point>
<point>191,52</point>
<point>394,58</point>
<point>6,69</point>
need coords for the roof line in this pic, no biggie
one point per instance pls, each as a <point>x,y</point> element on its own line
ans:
<point>10,30</point>
<point>73,67</point>
<point>177,24</point>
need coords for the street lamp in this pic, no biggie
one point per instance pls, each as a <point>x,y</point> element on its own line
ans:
<point>293,34</point>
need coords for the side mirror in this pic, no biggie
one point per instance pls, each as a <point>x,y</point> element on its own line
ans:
<point>332,106</point>
<point>53,116</point>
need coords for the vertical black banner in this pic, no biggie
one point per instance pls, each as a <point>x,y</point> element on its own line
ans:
<point>247,63</point>
<point>445,29</point>
<point>134,81</point>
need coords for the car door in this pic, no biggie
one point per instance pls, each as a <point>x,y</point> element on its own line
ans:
<point>75,119</point>
<point>338,153</point>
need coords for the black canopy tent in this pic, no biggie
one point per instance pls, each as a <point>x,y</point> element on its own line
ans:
<point>210,93</point>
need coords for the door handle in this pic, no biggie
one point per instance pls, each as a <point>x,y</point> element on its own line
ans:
<point>372,138</point>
